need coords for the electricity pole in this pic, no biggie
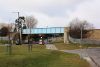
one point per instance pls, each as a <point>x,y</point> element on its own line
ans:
<point>19,29</point>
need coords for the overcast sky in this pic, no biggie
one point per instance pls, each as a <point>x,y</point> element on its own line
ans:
<point>52,13</point>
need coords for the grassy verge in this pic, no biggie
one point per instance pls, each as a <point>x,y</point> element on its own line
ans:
<point>62,46</point>
<point>39,57</point>
<point>3,41</point>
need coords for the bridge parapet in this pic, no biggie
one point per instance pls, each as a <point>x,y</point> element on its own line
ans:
<point>50,30</point>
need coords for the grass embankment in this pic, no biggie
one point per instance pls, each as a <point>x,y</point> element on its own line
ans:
<point>62,46</point>
<point>39,57</point>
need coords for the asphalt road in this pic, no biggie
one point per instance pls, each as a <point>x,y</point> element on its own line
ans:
<point>92,53</point>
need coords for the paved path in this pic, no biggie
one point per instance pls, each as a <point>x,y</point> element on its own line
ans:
<point>51,46</point>
<point>92,55</point>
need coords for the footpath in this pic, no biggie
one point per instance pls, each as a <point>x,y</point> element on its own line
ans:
<point>51,46</point>
<point>86,54</point>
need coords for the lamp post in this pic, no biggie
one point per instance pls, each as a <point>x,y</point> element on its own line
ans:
<point>81,30</point>
<point>30,39</point>
<point>9,45</point>
<point>19,27</point>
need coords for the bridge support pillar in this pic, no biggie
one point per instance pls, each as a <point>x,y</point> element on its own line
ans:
<point>66,35</point>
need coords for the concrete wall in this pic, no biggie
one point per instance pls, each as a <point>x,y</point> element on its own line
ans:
<point>66,35</point>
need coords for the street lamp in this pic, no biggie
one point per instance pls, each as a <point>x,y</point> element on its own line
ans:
<point>30,37</point>
<point>81,33</point>
<point>9,45</point>
<point>18,25</point>
<point>81,30</point>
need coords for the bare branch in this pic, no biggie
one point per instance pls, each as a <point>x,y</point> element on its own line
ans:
<point>30,21</point>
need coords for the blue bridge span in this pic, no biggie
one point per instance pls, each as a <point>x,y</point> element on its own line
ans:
<point>50,30</point>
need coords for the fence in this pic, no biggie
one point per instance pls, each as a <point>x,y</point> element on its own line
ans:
<point>84,41</point>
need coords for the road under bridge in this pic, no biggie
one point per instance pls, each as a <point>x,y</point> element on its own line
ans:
<point>47,32</point>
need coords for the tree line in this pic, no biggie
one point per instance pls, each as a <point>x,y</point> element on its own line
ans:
<point>77,28</point>
<point>6,28</point>
<point>80,29</point>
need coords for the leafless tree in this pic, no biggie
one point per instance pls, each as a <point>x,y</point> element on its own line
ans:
<point>3,25</point>
<point>30,21</point>
<point>10,26</point>
<point>4,31</point>
<point>80,29</point>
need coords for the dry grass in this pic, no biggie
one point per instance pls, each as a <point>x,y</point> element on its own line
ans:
<point>62,46</point>
<point>95,34</point>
